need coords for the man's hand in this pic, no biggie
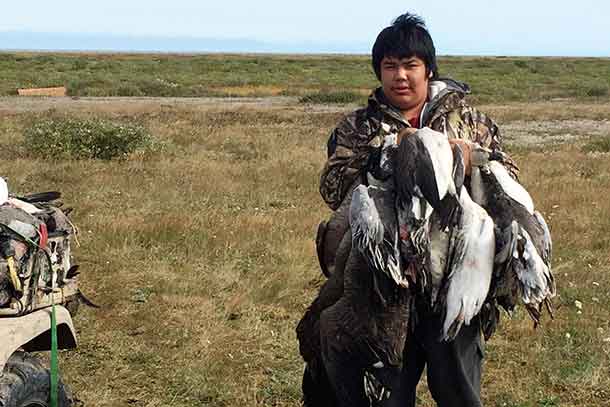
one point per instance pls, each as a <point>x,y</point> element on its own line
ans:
<point>466,147</point>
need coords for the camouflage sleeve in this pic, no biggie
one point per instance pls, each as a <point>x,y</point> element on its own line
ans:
<point>470,124</point>
<point>349,148</point>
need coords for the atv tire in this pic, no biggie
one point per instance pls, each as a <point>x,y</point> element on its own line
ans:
<point>25,382</point>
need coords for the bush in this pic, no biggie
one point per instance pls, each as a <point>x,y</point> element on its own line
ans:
<point>341,97</point>
<point>79,64</point>
<point>79,87</point>
<point>519,63</point>
<point>599,145</point>
<point>66,137</point>
<point>127,89</point>
<point>597,91</point>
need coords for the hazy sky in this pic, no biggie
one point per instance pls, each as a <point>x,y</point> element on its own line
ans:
<point>510,27</point>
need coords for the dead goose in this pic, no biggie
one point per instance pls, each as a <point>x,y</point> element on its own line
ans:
<point>333,245</point>
<point>424,169</point>
<point>363,333</point>
<point>459,260</point>
<point>469,266</point>
<point>439,237</point>
<point>424,178</point>
<point>331,232</point>
<point>523,263</point>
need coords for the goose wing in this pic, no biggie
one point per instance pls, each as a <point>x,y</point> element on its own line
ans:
<point>547,242</point>
<point>406,162</point>
<point>470,267</point>
<point>374,228</point>
<point>535,277</point>
<point>437,256</point>
<point>505,285</point>
<point>331,233</point>
<point>440,155</point>
<point>510,186</point>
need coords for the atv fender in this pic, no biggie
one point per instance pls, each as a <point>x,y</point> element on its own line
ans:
<point>32,332</point>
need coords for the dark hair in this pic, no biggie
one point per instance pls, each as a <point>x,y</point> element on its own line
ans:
<point>406,37</point>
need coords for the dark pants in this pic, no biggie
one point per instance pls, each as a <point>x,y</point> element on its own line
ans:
<point>453,368</point>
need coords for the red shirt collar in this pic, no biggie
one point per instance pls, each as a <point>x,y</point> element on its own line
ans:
<point>414,122</point>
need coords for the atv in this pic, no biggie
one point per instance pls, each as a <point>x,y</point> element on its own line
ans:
<point>38,296</point>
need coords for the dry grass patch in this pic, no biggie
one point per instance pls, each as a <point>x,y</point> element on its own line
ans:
<point>203,260</point>
<point>264,90</point>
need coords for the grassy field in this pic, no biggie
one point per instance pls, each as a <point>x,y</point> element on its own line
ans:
<point>493,79</point>
<point>203,260</point>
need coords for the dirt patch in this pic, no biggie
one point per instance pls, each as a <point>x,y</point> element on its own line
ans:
<point>126,105</point>
<point>528,133</point>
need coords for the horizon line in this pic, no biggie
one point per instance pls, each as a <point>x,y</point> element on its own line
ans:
<point>185,53</point>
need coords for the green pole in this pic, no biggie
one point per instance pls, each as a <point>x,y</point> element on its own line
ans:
<point>54,363</point>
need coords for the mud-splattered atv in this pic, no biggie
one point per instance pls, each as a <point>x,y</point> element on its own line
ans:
<point>36,271</point>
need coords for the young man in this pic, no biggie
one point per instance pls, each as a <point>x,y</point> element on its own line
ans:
<point>411,95</point>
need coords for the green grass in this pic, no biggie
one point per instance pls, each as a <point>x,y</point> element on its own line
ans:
<point>493,79</point>
<point>203,260</point>
<point>598,145</point>
<point>60,137</point>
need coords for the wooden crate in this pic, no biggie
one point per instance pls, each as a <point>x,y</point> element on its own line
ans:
<point>56,91</point>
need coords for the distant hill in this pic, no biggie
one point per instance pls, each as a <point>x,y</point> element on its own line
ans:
<point>40,41</point>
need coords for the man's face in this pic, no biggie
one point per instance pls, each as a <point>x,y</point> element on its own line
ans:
<point>404,82</point>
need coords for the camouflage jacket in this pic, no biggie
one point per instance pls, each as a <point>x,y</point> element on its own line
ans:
<point>353,142</point>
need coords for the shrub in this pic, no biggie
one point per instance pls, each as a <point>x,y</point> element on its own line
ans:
<point>600,145</point>
<point>341,97</point>
<point>597,91</point>
<point>127,89</point>
<point>78,87</point>
<point>66,137</point>
<point>519,63</point>
<point>79,64</point>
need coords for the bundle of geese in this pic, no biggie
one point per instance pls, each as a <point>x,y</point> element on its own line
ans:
<point>412,227</point>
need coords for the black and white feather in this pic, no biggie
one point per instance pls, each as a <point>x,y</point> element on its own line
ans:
<point>469,266</point>
<point>424,171</point>
<point>523,260</point>
<point>374,227</point>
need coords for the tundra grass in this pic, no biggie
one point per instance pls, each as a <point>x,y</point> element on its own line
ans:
<point>202,258</point>
<point>493,79</point>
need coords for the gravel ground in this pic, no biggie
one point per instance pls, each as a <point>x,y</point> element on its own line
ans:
<point>553,131</point>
